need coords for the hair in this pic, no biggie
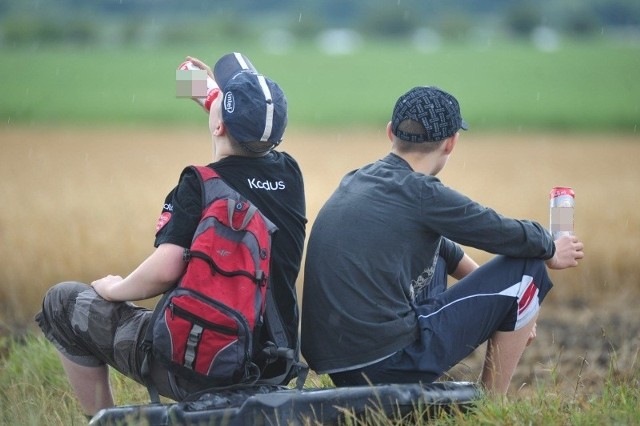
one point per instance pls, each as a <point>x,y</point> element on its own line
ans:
<point>416,128</point>
<point>250,149</point>
<point>413,127</point>
<point>256,149</point>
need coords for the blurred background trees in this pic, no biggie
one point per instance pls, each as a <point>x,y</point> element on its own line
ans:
<point>126,22</point>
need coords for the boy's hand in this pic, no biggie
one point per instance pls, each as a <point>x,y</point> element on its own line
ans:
<point>103,285</point>
<point>568,252</point>
<point>198,63</point>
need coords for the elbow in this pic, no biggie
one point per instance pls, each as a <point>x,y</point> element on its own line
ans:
<point>168,264</point>
<point>169,277</point>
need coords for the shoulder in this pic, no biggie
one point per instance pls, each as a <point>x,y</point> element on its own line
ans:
<point>188,174</point>
<point>279,166</point>
<point>431,187</point>
<point>285,159</point>
<point>189,185</point>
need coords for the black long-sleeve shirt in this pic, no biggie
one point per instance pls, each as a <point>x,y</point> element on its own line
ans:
<point>374,244</point>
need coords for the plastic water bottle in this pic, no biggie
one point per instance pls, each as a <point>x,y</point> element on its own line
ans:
<point>212,87</point>
<point>561,205</point>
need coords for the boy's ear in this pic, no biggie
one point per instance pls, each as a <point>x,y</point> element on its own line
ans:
<point>220,129</point>
<point>450,143</point>
<point>390,134</point>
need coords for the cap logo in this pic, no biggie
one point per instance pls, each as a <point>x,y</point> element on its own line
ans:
<point>229,102</point>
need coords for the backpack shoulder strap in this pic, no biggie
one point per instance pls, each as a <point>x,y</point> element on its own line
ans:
<point>204,172</point>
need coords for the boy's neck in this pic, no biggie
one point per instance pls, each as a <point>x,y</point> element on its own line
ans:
<point>428,164</point>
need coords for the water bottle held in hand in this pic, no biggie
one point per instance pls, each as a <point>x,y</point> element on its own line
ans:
<point>201,88</point>
<point>561,206</point>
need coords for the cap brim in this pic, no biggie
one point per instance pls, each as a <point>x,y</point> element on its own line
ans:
<point>230,65</point>
<point>464,125</point>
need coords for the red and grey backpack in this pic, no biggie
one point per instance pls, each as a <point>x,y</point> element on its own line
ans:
<point>207,328</point>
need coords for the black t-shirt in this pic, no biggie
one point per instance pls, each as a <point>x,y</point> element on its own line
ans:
<point>274,184</point>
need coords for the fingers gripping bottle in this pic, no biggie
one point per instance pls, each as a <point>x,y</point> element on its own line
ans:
<point>561,205</point>
<point>212,87</point>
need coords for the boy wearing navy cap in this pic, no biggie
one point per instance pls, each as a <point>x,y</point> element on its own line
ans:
<point>97,326</point>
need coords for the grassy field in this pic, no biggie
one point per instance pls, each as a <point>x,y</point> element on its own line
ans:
<point>582,86</point>
<point>36,393</point>
<point>82,203</point>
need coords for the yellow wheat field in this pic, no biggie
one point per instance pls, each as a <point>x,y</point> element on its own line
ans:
<point>82,203</point>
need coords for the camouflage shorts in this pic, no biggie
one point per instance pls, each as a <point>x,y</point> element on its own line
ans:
<point>91,331</point>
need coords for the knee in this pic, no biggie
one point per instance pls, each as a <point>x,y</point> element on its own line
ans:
<point>535,268</point>
<point>61,295</point>
<point>537,265</point>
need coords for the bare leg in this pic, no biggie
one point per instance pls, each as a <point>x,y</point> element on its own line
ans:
<point>90,384</point>
<point>504,350</point>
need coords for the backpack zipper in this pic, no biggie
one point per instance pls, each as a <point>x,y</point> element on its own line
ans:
<point>183,313</point>
<point>240,319</point>
<point>260,279</point>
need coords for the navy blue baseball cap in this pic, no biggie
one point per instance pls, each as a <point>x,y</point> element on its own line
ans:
<point>436,110</point>
<point>254,108</point>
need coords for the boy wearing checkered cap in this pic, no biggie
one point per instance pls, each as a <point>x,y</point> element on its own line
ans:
<point>376,307</point>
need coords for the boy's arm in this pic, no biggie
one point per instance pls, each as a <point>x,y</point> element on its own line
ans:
<point>159,272</point>
<point>466,266</point>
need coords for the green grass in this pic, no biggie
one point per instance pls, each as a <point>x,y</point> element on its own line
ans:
<point>583,86</point>
<point>35,392</point>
